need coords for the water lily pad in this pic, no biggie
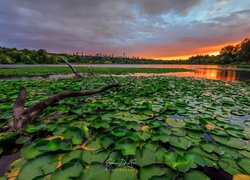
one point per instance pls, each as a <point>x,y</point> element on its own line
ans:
<point>120,132</point>
<point>7,135</point>
<point>236,143</point>
<point>39,166</point>
<point>149,172</point>
<point>145,157</point>
<point>180,142</point>
<point>75,134</point>
<point>229,165</point>
<point>95,171</point>
<point>72,169</point>
<point>195,175</point>
<point>244,164</point>
<point>160,137</point>
<point>125,173</point>
<point>178,123</point>
<point>127,146</point>
<point>227,101</point>
<point>177,162</point>
<point>75,154</point>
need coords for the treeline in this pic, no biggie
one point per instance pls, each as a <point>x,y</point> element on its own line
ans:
<point>26,56</point>
<point>239,54</point>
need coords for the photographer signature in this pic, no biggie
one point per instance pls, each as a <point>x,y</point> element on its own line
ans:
<point>120,163</point>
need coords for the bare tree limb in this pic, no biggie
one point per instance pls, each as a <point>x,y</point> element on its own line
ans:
<point>113,79</point>
<point>91,72</point>
<point>18,107</point>
<point>77,75</point>
<point>23,117</point>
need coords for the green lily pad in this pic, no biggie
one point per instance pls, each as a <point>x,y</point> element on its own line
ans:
<point>244,164</point>
<point>127,146</point>
<point>7,135</point>
<point>178,123</point>
<point>160,137</point>
<point>71,169</point>
<point>180,142</point>
<point>195,175</point>
<point>227,101</point>
<point>125,173</point>
<point>230,166</point>
<point>177,162</point>
<point>95,171</point>
<point>39,166</point>
<point>236,143</point>
<point>145,157</point>
<point>90,157</point>
<point>149,172</point>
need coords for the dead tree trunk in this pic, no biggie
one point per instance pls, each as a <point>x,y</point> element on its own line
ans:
<point>23,117</point>
<point>77,75</point>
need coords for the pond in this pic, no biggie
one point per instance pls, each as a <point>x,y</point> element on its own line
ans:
<point>215,72</point>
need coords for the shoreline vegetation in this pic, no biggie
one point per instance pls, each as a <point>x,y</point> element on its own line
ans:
<point>239,54</point>
<point>27,71</point>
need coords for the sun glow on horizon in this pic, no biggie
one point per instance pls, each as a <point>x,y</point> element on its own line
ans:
<point>210,50</point>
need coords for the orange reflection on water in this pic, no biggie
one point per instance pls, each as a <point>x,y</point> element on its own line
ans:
<point>226,75</point>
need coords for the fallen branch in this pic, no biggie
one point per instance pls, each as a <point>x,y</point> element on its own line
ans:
<point>23,117</point>
<point>91,72</point>
<point>77,75</point>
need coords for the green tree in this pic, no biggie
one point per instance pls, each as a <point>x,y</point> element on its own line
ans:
<point>229,50</point>
<point>6,59</point>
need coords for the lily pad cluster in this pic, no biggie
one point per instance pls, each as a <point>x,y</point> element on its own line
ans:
<point>159,128</point>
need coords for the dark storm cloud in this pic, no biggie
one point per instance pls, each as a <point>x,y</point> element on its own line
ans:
<point>162,6</point>
<point>137,27</point>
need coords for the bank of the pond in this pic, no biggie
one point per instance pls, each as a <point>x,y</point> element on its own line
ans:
<point>31,71</point>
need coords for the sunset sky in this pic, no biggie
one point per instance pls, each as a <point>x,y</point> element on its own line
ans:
<point>159,29</point>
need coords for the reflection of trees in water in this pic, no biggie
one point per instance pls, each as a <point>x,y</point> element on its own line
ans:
<point>216,74</point>
<point>243,76</point>
<point>226,75</point>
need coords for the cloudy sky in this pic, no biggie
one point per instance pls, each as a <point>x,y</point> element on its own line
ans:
<point>147,28</point>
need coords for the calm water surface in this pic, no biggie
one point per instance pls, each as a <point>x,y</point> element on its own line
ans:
<point>216,72</point>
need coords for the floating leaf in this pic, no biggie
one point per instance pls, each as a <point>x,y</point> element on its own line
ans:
<point>145,157</point>
<point>149,172</point>
<point>127,146</point>
<point>230,166</point>
<point>72,169</point>
<point>180,142</point>
<point>178,123</point>
<point>236,143</point>
<point>39,166</point>
<point>245,164</point>
<point>7,135</point>
<point>125,173</point>
<point>95,171</point>
<point>177,162</point>
<point>195,175</point>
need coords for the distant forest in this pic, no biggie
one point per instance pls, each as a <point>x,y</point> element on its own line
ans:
<point>239,54</point>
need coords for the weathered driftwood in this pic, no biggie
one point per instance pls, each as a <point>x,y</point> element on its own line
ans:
<point>23,117</point>
<point>77,75</point>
